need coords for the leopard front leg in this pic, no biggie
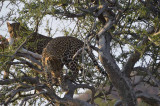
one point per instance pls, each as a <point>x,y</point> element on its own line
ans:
<point>53,70</point>
<point>73,66</point>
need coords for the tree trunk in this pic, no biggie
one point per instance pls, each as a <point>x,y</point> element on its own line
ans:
<point>122,83</point>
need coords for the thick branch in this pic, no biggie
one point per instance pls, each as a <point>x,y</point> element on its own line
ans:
<point>35,68</point>
<point>30,97</point>
<point>135,56</point>
<point>107,26</point>
<point>128,67</point>
<point>14,92</point>
<point>122,84</point>
<point>149,73</point>
<point>72,87</point>
<point>32,59</point>
<point>22,79</point>
<point>67,101</point>
<point>35,55</point>
<point>150,99</point>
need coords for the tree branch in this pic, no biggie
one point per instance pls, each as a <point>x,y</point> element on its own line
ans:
<point>35,55</point>
<point>135,56</point>
<point>121,83</point>
<point>149,73</point>
<point>153,38</point>
<point>14,92</point>
<point>150,99</point>
<point>22,79</point>
<point>66,100</point>
<point>36,69</point>
<point>32,59</point>
<point>30,97</point>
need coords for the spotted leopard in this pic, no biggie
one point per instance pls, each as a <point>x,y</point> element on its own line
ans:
<point>35,43</point>
<point>59,52</point>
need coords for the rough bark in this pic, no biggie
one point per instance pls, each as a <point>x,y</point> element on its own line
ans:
<point>121,83</point>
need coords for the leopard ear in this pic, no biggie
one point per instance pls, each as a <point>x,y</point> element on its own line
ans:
<point>8,24</point>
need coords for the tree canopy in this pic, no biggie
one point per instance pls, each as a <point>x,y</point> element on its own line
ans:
<point>123,35</point>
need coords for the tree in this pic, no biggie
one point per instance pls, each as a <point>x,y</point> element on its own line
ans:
<point>124,34</point>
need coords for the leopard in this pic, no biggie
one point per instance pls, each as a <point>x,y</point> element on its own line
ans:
<point>35,43</point>
<point>59,52</point>
<point>18,32</point>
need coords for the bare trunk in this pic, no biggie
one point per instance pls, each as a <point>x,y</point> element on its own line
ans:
<point>122,83</point>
